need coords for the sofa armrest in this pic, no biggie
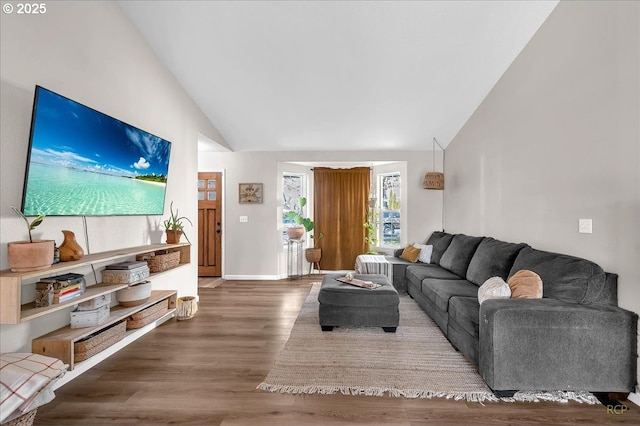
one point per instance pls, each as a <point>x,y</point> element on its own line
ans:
<point>547,344</point>
<point>398,269</point>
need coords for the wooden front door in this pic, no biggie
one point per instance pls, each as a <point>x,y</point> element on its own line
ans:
<point>209,224</point>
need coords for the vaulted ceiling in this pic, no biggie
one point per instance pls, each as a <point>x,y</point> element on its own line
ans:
<point>337,75</point>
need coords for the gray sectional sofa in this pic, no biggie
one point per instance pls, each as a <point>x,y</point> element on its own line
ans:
<point>574,338</point>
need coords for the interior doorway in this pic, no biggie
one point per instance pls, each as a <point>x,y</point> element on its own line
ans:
<point>210,198</point>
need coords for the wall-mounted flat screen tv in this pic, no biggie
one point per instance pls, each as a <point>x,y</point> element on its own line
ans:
<point>82,162</point>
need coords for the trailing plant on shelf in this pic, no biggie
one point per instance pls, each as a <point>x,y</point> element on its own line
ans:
<point>174,226</point>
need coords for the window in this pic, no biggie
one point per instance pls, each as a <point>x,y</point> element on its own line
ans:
<point>390,219</point>
<point>293,187</point>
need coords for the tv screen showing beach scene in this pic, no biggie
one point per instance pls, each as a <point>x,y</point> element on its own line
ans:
<point>82,162</point>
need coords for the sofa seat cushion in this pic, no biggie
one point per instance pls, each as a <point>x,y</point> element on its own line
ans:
<point>440,242</point>
<point>439,291</point>
<point>417,273</point>
<point>465,311</point>
<point>459,254</point>
<point>493,258</point>
<point>567,278</point>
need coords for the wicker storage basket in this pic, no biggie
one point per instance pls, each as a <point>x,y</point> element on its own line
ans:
<point>159,262</point>
<point>147,315</point>
<point>96,343</point>
<point>24,420</point>
<point>187,308</point>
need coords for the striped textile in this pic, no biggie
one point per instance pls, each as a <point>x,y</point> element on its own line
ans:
<point>372,264</point>
<point>26,382</point>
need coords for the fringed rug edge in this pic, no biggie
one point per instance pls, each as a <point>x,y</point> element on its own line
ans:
<point>375,391</point>
<point>480,397</point>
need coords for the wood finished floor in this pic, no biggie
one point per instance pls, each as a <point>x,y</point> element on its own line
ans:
<point>204,371</point>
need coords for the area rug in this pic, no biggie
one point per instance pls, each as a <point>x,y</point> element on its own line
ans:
<point>415,362</point>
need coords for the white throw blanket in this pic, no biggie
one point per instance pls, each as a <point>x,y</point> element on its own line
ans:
<point>26,382</point>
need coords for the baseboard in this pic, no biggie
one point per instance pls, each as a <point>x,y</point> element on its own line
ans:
<point>634,397</point>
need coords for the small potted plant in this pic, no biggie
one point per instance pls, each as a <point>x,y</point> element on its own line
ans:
<point>305,224</point>
<point>300,223</point>
<point>174,227</point>
<point>32,255</point>
<point>314,254</point>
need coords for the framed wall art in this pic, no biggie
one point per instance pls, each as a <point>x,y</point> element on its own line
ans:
<point>250,193</point>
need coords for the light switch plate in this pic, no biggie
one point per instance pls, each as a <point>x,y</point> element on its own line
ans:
<point>244,219</point>
<point>585,226</point>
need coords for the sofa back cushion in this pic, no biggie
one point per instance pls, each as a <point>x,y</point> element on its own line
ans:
<point>493,258</point>
<point>567,278</point>
<point>440,242</point>
<point>459,254</point>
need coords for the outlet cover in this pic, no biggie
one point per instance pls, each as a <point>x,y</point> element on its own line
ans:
<point>585,226</point>
<point>244,219</point>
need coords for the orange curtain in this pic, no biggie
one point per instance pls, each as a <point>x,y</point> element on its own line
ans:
<point>341,197</point>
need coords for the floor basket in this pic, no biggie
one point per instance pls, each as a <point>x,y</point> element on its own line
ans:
<point>163,261</point>
<point>98,342</point>
<point>24,420</point>
<point>146,316</point>
<point>187,308</point>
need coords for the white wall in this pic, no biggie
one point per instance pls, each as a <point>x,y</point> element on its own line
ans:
<point>90,52</point>
<point>558,139</point>
<point>254,249</point>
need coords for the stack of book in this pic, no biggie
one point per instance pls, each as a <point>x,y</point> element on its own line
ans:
<point>59,289</point>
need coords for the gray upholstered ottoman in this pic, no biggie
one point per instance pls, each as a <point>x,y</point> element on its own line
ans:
<point>346,305</point>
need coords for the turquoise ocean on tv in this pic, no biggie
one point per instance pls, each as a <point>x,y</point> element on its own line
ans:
<point>63,191</point>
